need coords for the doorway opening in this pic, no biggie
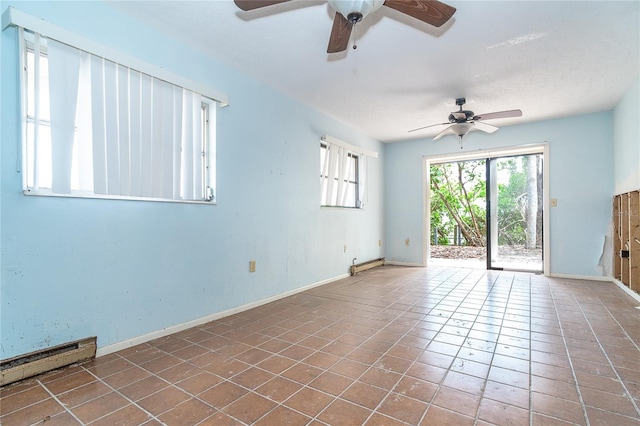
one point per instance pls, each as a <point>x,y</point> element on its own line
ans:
<point>487,211</point>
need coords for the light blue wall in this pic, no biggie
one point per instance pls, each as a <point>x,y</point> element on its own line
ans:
<point>73,268</point>
<point>626,148</point>
<point>581,178</point>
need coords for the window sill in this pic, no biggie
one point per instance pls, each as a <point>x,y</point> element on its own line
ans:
<point>342,207</point>
<point>78,194</point>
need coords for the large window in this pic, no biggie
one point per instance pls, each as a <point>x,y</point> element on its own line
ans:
<point>96,128</point>
<point>340,176</point>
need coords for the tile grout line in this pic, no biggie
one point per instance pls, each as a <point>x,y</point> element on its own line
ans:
<point>55,398</point>
<point>334,397</point>
<point>613,367</point>
<point>122,395</point>
<point>279,374</point>
<point>573,372</point>
<point>439,385</point>
<point>385,323</point>
<point>504,314</point>
<point>530,357</point>
<point>38,384</point>
<point>388,391</point>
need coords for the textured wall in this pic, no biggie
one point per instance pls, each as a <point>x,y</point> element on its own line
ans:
<point>581,179</point>
<point>120,269</point>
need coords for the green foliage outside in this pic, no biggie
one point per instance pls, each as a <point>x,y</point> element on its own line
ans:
<point>458,198</point>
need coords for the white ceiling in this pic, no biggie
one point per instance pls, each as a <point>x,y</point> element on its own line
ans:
<point>548,58</point>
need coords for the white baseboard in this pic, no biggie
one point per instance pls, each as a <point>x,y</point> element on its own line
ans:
<point>394,263</point>
<point>626,289</point>
<point>581,277</point>
<point>203,320</point>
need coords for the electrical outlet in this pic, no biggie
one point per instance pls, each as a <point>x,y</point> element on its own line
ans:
<point>345,248</point>
<point>379,243</point>
<point>407,242</point>
<point>554,202</point>
<point>252,266</point>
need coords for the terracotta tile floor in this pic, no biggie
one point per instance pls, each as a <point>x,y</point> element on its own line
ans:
<point>389,346</point>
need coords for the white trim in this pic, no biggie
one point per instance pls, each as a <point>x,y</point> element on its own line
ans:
<point>626,289</point>
<point>492,153</point>
<point>349,147</point>
<point>580,277</point>
<point>488,153</point>
<point>546,214</point>
<point>426,212</point>
<point>14,17</point>
<point>40,192</point>
<point>106,350</point>
<point>395,263</point>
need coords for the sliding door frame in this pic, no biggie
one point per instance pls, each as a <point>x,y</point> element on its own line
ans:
<point>540,148</point>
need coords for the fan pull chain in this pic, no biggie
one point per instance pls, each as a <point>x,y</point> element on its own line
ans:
<point>355,46</point>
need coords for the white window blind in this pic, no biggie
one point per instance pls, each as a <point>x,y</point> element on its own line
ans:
<point>343,171</point>
<point>95,127</point>
<point>132,135</point>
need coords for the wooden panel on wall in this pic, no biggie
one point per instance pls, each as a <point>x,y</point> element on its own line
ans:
<point>617,238</point>
<point>634,240</point>
<point>624,231</point>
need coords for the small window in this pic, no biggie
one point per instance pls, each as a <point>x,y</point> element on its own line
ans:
<point>340,176</point>
<point>96,128</point>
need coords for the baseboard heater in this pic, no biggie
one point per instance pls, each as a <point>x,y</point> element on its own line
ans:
<point>34,363</point>
<point>366,265</point>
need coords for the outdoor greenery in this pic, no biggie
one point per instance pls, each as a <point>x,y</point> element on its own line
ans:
<point>458,194</point>
<point>458,201</point>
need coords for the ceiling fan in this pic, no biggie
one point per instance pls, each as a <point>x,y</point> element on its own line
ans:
<point>350,12</point>
<point>462,121</point>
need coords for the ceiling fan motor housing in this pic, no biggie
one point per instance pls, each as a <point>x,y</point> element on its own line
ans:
<point>461,116</point>
<point>355,9</point>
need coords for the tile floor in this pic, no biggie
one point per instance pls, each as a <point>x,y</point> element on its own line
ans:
<point>389,346</point>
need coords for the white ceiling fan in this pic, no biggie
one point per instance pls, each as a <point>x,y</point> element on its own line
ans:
<point>462,121</point>
<point>350,12</point>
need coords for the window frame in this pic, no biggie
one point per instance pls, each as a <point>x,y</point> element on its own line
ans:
<point>353,185</point>
<point>212,100</point>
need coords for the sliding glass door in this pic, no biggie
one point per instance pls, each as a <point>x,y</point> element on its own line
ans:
<point>514,212</point>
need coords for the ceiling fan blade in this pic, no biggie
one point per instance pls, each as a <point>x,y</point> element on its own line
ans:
<point>499,114</point>
<point>432,12</point>
<point>442,133</point>
<point>256,4</point>
<point>340,34</point>
<point>426,127</point>
<point>487,128</point>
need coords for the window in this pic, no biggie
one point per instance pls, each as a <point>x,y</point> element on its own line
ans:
<point>96,128</point>
<point>340,176</point>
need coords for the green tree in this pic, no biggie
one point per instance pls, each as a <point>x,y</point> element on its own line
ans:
<point>457,199</point>
<point>511,203</point>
